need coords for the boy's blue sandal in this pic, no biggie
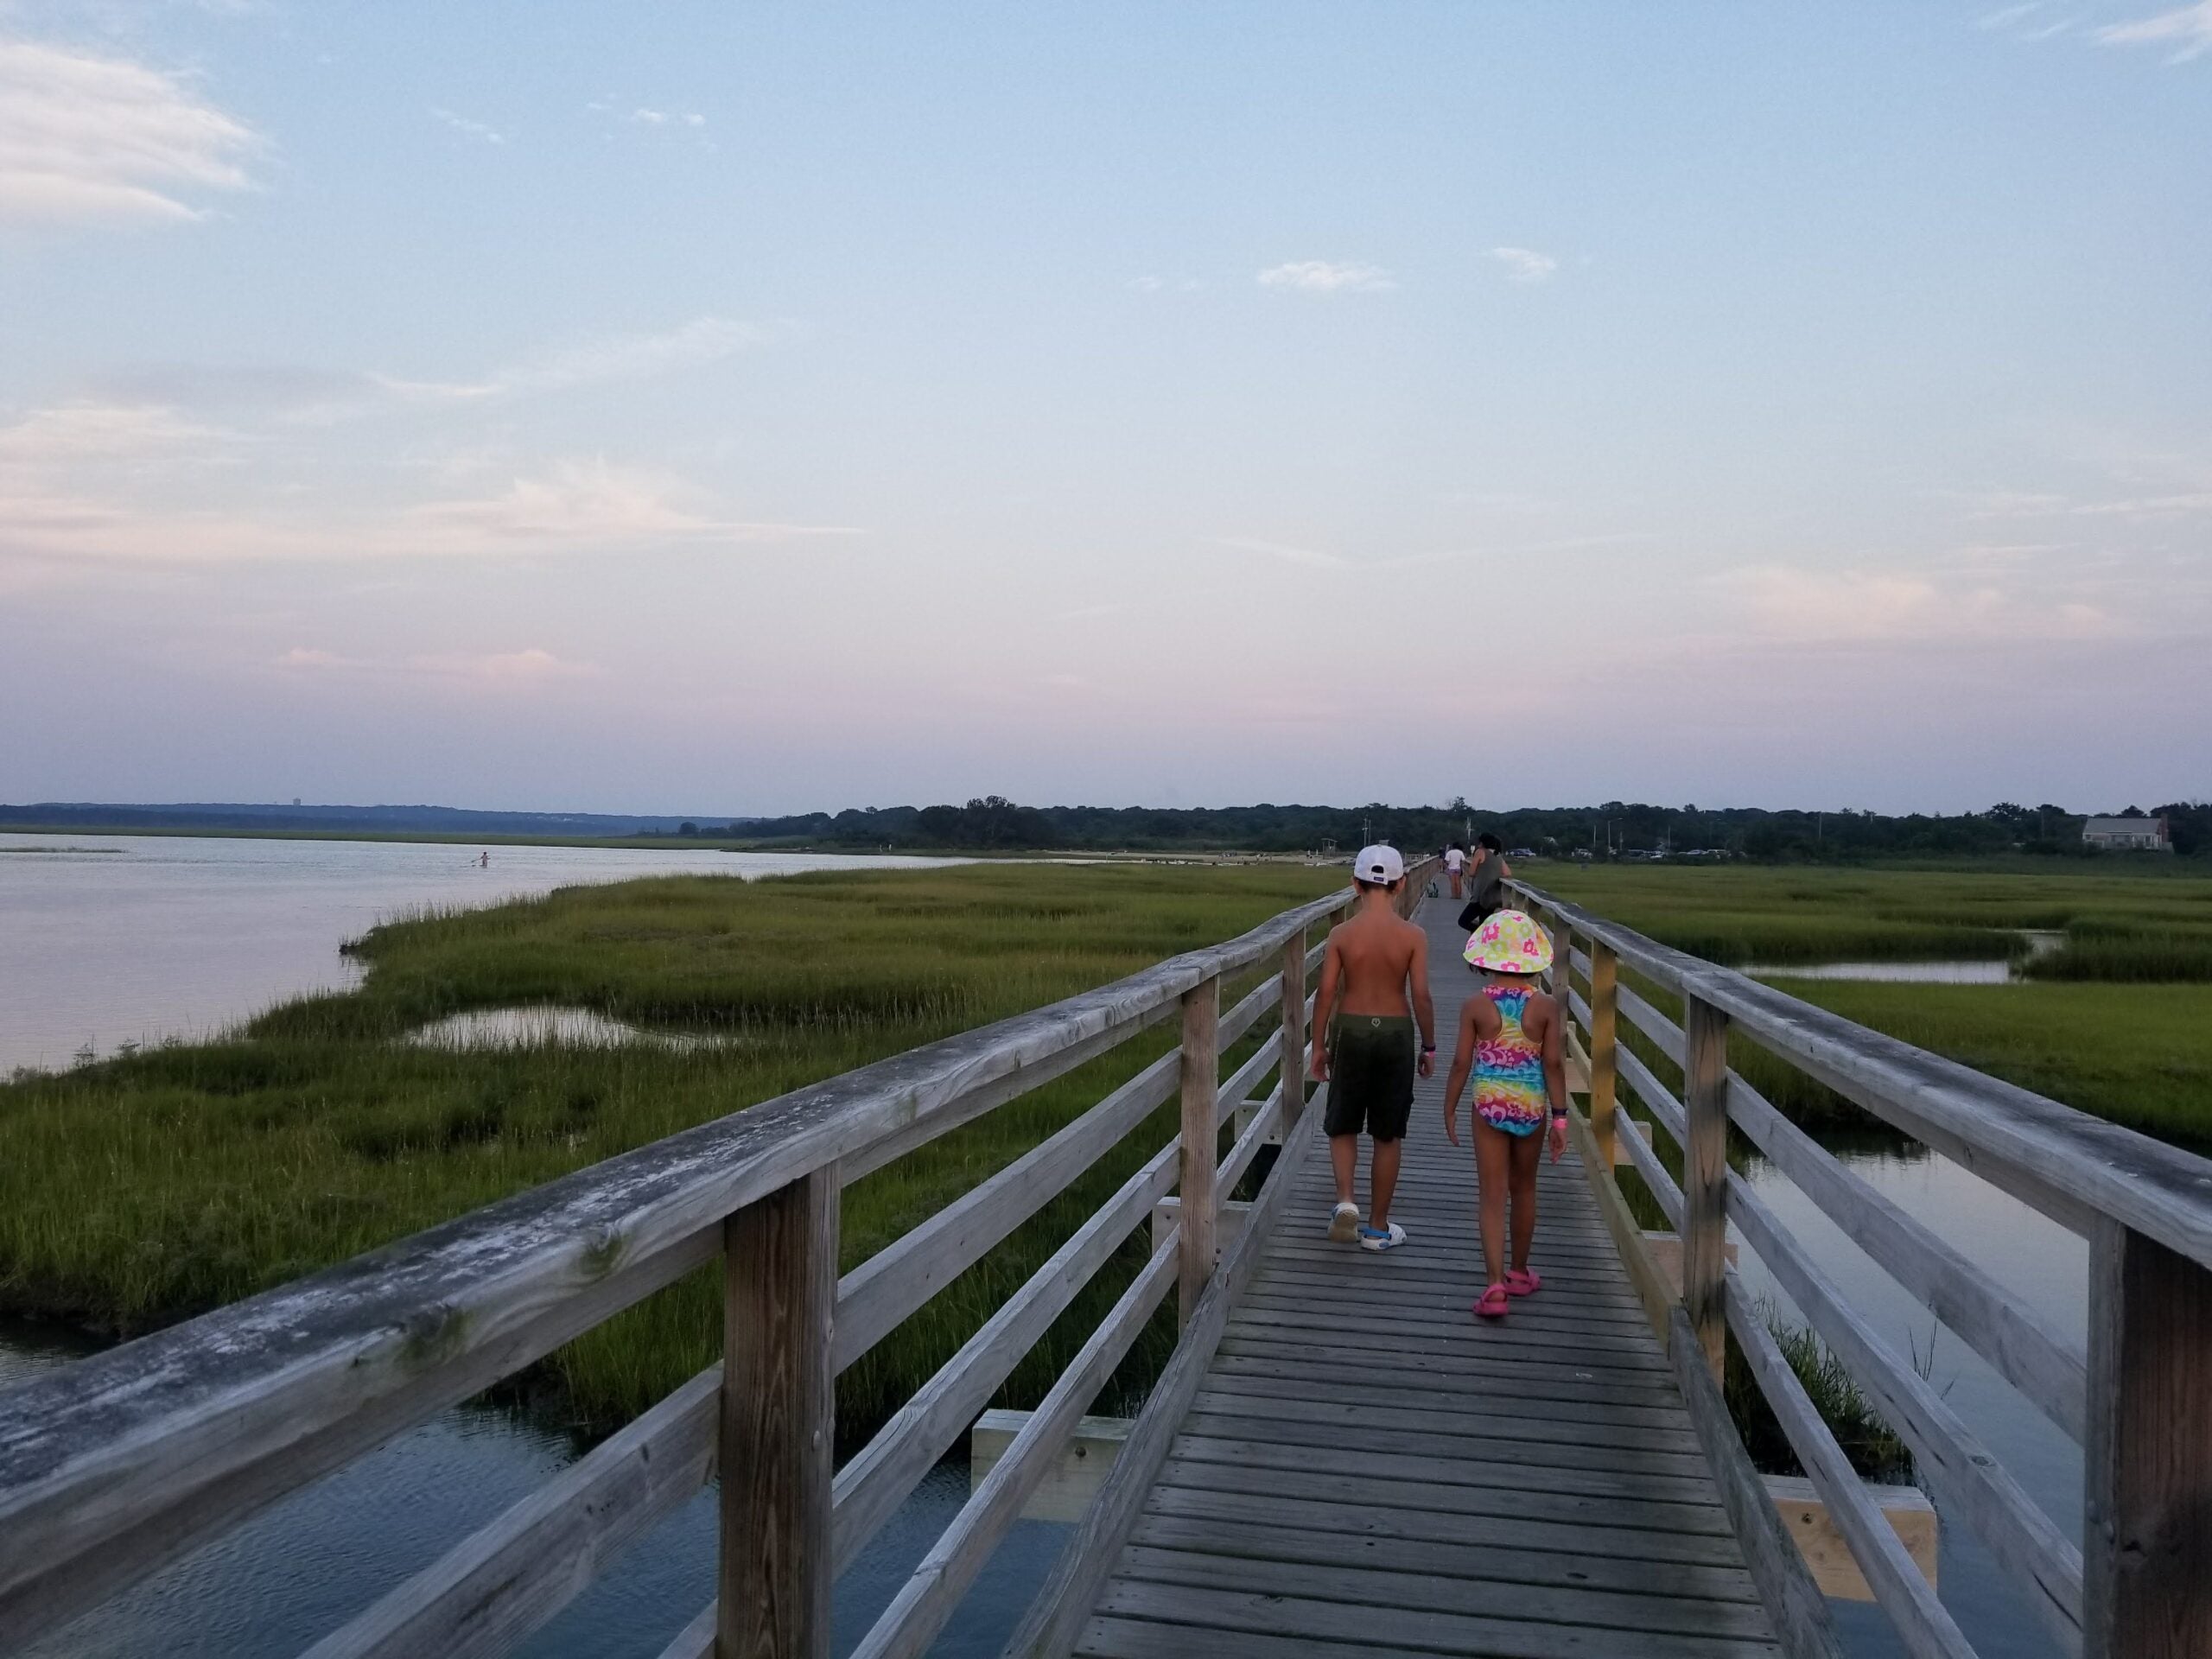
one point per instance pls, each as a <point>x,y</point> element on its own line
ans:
<point>1381,1239</point>
<point>1344,1223</point>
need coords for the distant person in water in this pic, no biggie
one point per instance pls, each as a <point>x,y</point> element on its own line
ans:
<point>483,861</point>
<point>1455,865</point>
<point>1511,1041</point>
<point>1377,964</point>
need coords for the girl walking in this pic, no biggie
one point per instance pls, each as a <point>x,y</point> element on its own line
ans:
<point>1512,1038</point>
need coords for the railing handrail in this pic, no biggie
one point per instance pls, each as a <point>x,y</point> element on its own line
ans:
<point>184,1432</point>
<point>2134,1395</point>
<point>2066,1163</point>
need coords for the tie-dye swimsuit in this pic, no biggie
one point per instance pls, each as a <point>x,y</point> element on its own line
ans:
<point>1510,1091</point>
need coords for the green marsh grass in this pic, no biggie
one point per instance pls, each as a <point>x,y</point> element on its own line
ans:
<point>143,1189</point>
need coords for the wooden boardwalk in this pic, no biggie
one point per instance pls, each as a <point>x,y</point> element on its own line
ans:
<point>1368,1470</point>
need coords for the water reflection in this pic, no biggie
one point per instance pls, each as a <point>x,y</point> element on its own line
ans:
<point>540,1026</point>
<point>297,1571</point>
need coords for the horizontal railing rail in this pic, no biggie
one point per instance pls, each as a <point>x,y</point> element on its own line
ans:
<point>114,1465</point>
<point>2137,1393</point>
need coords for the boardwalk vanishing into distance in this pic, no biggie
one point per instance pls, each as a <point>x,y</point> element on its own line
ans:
<point>1336,1458</point>
<point>1366,1468</point>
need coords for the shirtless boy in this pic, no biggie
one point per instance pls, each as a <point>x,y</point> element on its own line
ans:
<point>1363,1042</point>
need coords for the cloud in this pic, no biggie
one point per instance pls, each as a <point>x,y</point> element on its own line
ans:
<point>1871,606</point>
<point>73,433</point>
<point>571,506</point>
<point>1324,276</point>
<point>1525,264</point>
<point>533,665</point>
<point>102,141</point>
<point>462,125</point>
<point>2187,29</point>
<point>618,357</point>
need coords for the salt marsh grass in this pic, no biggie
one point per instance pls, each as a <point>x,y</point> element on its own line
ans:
<point>142,1189</point>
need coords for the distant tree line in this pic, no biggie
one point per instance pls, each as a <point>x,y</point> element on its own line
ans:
<point>993,823</point>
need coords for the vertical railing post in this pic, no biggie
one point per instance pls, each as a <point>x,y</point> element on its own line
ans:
<point>1705,1177</point>
<point>780,1277</point>
<point>1293,1030</point>
<point>1605,1037</point>
<point>1201,1141</point>
<point>2147,1463</point>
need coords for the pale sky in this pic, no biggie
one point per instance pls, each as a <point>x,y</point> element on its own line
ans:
<point>730,408</point>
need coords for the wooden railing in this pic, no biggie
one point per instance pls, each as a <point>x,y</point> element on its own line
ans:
<point>2137,1395</point>
<point>114,1465</point>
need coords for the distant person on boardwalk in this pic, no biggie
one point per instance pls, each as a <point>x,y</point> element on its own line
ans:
<point>1455,865</point>
<point>1375,963</point>
<point>1510,1040</point>
<point>1488,873</point>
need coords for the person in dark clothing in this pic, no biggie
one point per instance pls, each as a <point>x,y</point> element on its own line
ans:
<point>1487,876</point>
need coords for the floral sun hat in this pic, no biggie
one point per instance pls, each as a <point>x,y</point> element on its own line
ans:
<point>1509,942</point>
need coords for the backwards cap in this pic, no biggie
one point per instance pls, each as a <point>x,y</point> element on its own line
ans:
<point>1379,864</point>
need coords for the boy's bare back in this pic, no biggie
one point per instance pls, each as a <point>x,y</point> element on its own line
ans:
<point>1380,961</point>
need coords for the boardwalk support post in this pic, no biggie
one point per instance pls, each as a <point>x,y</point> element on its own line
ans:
<point>1604,1038</point>
<point>2147,1463</point>
<point>1293,1030</point>
<point>1201,1141</point>
<point>779,1292</point>
<point>1705,1177</point>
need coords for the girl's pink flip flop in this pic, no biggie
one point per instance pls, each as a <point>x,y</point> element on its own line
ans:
<point>1523,1282</point>
<point>1492,1305</point>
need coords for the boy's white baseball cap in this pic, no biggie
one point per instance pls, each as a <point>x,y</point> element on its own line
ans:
<point>1379,864</point>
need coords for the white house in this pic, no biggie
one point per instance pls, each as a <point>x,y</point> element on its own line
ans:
<point>2128,835</point>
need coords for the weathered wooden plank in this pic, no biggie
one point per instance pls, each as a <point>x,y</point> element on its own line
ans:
<point>1238,1089</point>
<point>1500,1440</point>
<point>1568,1380</point>
<point>512,1575</point>
<point>1651,1562</point>
<point>1792,1599</point>
<point>1290,1086</point>
<point>1134,1638</point>
<point>1922,1624</point>
<point>1072,1478</point>
<point>1440,1462</point>
<point>1395,1332</point>
<point>2148,1463</point>
<point>1310,1618</point>
<point>1596,1428</point>
<point>2023,1348</point>
<point>1266,1129</point>
<point>1200,1143</point>
<point>111,1466</point>
<point>876,1479</point>
<point>1950,1458</point>
<point>777,1434</point>
<point>874,1298</point>
<point>1508,1498</point>
<point>1057,1614</point>
<point>1383,1582</point>
<point>1604,969</point>
<point>1805,1515</point>
<point>1703,1222</point>
<point>919,1611</point>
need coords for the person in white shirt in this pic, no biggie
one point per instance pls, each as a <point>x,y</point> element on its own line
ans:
<point>1455,865</point>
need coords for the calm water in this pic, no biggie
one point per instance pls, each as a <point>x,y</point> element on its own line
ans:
<point>134,938</point>
<point>113,939</point>
<point>295,1571</point>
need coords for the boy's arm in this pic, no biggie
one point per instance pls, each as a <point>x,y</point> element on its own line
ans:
<point>1424,1004</point>
<point>1325,994</point>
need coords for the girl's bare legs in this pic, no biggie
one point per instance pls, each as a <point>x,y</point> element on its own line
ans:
<point>1527,1154</point>
<point>1494,1151</point>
